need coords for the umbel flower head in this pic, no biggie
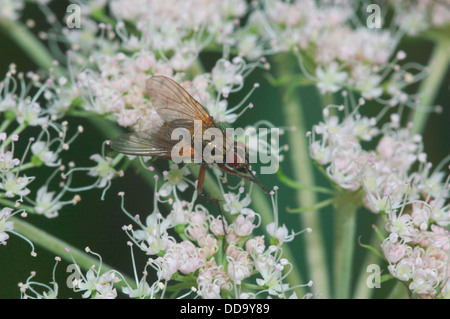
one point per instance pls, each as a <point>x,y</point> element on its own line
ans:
<point>413,201</point>
<point>99,72</point>
<point>221,263</point>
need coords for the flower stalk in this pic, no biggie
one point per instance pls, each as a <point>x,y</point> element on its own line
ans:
<point>429,88</point>
<point>299,153</point>
<point>346,207</point>
<point>60,247</point>
<point>30,45</point>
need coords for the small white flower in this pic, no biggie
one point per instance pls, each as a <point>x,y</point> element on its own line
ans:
<point>280,233</point>
<point>174,180</point>
<point>5,224</point>
<point>15,185</point>
<point>329,78</point>
<point>225,75</point>
<point>97,286</point>
<point>7,161</point>
<point>142,291</point>
<point>41,151</point>
<point>234,205</point>
<point>103,170</point>
<point>218,111</point>
<point>46,204</point>
<point>31,114</point>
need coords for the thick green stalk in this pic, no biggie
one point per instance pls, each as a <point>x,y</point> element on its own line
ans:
<point>30,45</point>
<point>58,247</point>
<point>429,88</point>
<point>303,171</point>
<point>346,207</point>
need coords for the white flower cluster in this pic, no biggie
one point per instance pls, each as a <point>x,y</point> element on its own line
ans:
<point>221,273</point>
<point>413,200</point>
<point>109,65</point>
<point>334,48</point>
<point>21,97</point>
<point>105,67</point>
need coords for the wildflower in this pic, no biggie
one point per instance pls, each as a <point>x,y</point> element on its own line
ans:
<point>14,185</point>
<point>174,180</point>
<point>46,203</point>
<point>32,289</point>
<point>11,10</point>
<point>5,224</point>
<point>330,79</point>
<point>270,267</point>
<point>153,237</point>
<point>234,205</point>
<point>43,154</point>
<point>8,161</point>
<point>212,279</point>
<point>104,170</point>
<point>96,284</point>
<point>240,264</point>
<point>225,75</point>
<point>243,225</point>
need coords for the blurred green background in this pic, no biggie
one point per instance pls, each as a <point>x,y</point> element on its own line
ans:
<point>97,223</point>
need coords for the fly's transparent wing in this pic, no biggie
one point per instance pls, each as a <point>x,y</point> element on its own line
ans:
<point>176,109</point>
<point>172,102</point>
<point>143,143</point>
<point>157,141</point>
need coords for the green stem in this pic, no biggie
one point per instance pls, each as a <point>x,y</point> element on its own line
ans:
<point>11,204</point>
<point>23,167</point>
<point>5,125</point>
<point>30,45</point>
<point>58,247</point>
<point>346,208</point>
<point>17,131</point>
<point>293,184</point>
<point>317,206</point>
<point>362,290</point>
<point>429,87</point>
<point>299,153</point>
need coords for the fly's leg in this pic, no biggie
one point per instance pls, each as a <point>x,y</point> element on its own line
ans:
<point>252,178</point>
<point>201,179</point>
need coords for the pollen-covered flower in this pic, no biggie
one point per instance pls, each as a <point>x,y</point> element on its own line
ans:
<point>5,224</point>
<point>96,284</point>
<point>42,153</point>
<point>235,205</point>
<point>104,170</point>
<point>46,203</point>
<point>226,75</point>
<point>175,180</point>
<point>11,10</point>
<point>14,185</point>
<point>330,78</point>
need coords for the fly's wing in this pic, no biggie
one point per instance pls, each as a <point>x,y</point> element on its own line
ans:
<point>141,143</point>
<point>157,141</point>
<point>176,109</point>
<point>172,102</point>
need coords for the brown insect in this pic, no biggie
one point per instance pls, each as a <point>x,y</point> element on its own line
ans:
<point>177,109</point>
